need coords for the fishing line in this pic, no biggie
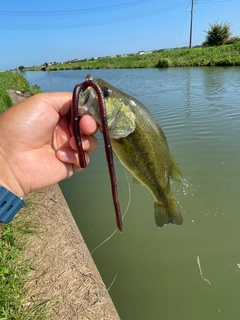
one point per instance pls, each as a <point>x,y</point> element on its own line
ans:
<point>112,282</point>
<point>126,210</point>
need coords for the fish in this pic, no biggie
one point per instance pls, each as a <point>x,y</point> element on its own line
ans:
<point>140,144</point>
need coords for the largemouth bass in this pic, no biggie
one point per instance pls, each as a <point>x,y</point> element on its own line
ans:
<point>140,144</point>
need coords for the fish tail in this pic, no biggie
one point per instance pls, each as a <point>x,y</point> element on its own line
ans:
<point>167,214</point>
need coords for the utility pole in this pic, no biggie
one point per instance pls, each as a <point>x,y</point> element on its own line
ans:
<point>191,23</point>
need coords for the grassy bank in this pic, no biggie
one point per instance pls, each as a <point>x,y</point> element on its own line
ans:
<point>15,270</point>
<point>226,55</point>
<point>14,81</point>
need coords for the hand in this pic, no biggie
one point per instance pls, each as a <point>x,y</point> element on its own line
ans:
<point>37,148</point>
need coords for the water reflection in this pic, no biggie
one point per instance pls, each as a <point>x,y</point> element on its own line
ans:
<point>157,273</point>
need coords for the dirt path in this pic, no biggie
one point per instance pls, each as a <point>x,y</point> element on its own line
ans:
<point>65,272</point>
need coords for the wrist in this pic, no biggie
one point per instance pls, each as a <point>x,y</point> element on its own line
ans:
<point>8,179</point>
<point>12,188</point>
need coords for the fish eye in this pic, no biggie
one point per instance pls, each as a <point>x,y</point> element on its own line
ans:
<point>106,92</point>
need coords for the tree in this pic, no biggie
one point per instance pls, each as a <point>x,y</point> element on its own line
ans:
<point>21,67</point>
<point>217,34</point>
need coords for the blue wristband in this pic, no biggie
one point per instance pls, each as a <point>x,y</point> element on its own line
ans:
<point>10,204</point>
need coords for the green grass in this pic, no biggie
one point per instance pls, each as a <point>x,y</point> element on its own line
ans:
<point>5,100</point>
<point>14,270</point>
<point>225,55</point>
<point>14,81</point>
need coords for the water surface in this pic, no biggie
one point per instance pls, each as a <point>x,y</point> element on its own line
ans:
<point>157,276</point>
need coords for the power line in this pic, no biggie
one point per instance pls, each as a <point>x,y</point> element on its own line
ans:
<point>213,1</point>
<point>84,24</point>
<point>73,11</point>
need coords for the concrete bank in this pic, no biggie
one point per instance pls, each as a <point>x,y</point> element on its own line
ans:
<point>65,274</point>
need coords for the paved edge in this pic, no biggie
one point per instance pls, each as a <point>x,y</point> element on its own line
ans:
<point>66,274</point>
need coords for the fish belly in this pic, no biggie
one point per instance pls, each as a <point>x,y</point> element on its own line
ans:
<point>154,173</point>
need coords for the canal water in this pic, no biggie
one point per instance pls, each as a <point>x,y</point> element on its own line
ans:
<point>176,272</point>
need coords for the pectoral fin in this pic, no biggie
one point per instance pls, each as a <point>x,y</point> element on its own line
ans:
<point>135,182</point>
<point>176,172</point>
<point>164,215</point>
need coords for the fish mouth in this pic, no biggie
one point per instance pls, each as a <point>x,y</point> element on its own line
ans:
<point>87,100</point>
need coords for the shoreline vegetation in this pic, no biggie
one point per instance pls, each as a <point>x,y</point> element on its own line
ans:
<point>14,81</point>
<point>225,55</point>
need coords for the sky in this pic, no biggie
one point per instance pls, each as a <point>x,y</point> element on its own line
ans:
<point>34,32</point>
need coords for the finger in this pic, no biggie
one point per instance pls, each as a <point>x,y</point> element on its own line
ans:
<point>88,125</point>
<point>68,156</point>
<point>89,143</point>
